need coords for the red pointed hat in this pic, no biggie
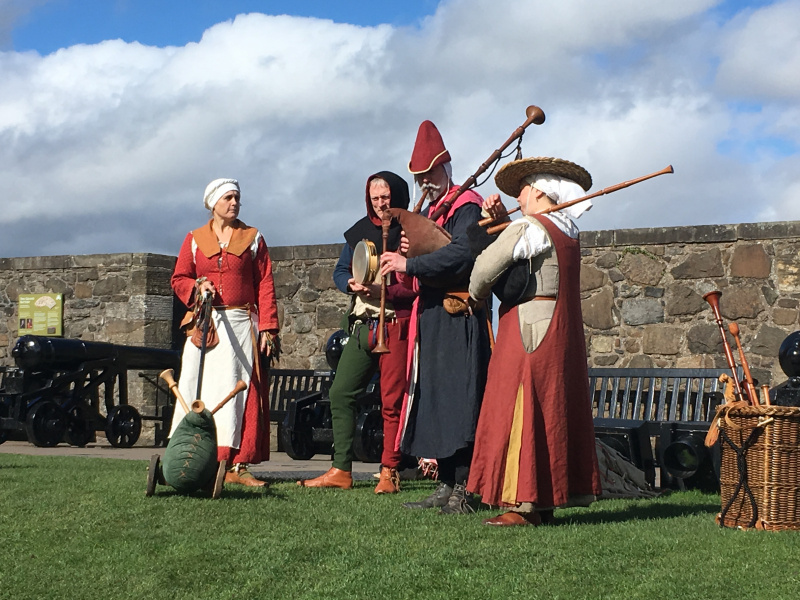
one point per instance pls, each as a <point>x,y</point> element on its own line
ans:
<point>429,149</point>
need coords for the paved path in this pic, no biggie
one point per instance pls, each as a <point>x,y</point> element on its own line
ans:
<point>280,466</point>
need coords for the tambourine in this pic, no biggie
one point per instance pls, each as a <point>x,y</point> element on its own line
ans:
<point>365,262</point>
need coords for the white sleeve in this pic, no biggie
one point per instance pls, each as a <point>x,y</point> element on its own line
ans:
<point>533,242</point>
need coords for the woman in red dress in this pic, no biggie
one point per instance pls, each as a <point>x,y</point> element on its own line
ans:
<point>230,260</point>
<point>534,445</point>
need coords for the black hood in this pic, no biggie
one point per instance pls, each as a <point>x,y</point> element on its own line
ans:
<point>370,226</point>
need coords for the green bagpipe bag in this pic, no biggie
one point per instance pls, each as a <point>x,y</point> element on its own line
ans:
<point>190,460</point>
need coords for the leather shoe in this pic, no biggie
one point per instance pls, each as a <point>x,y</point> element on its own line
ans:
<point>514,519</point>
<point>389,482</point>
<point>459,502</point>
<point>244,477</point>
<point>437,499</point>
<point>334,478</point>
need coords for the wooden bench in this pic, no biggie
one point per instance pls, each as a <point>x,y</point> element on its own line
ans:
<point>286,385</point>
<point>643,412</point>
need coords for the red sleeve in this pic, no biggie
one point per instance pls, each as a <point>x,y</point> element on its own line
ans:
<point>265,289</point>
<point>185,273</point>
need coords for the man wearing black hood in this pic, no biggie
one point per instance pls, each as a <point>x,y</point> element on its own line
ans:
<point>358,364</point>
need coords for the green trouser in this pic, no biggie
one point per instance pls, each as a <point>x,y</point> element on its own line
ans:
<point>356,367</point>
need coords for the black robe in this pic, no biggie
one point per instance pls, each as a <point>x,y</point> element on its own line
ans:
<point>454,350</point>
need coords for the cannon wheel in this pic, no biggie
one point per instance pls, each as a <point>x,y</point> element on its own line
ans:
<point>153,475</point>
<point>368,442</point>
<point>78,432</point>
<point>123,426</point>
<point>45,424</point>
<point>219,480</point>
<point>296,438</point>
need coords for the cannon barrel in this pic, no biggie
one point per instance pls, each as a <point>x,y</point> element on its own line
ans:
<point>39,353</point>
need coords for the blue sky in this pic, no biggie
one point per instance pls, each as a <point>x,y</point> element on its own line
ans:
<point>115,114</point>
<point>62,23</point>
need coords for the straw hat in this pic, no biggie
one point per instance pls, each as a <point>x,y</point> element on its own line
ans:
<point>509,177</point>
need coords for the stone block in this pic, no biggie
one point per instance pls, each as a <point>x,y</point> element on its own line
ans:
<point>743,301</point>
<point>662,340</point>
<point>109,286</point>
<point>615,275</point>
<point>328,316</point>
<point>640,361</point>
<point>769,231</point>
<point>281,253</point>
<point>591,278</point>
<point>605,360</point>
<point>705,338</point>
<point>632,345</point>
<point>641,268</point>
<point>306,295</point>
<point>302,323</point>
<point>86,275</point>
<point>318,251</point>
<point>602,344</point>
<point>784,316</point>
<point>286,283</point>
<point>787,274</point>
<point>597,310</point>
<point>321,277</point>
<point>770,295</point>
<point>700,265</point>
<point>607,260</point>
<point>750,260</point>
<point>642,311</point>
<point>768,340</point>
<point>654,292</point>
<point>683,300</point>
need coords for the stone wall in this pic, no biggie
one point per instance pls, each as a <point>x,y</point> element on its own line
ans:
<point>642,292</point>
<point>310,307</point>
<point>641,288</point>
<point>118,298</point>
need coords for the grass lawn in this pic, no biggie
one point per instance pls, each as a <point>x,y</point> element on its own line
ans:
<point>78,528</point>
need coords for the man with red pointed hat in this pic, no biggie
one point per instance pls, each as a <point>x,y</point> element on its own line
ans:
<point>449,343</point>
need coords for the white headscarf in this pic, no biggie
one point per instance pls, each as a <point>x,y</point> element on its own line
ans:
<point>217,189</point>
<point>560,190</point>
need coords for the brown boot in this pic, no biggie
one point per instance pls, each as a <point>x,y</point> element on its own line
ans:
<point>334,478</point>
<point>241,476</point>
<point>389,482</point>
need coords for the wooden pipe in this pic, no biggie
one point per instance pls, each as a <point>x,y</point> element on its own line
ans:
<point>240,387</point>
<point>169,377</point>
<point>418,206</point>
<point>380,346</point>
<point>765,394</point>
<point>535,115</point>
<point>748,379</point>
<point>713,300</point>
<point>614,188</point>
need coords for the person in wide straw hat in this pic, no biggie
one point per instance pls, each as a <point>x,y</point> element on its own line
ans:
<point>534,444</point>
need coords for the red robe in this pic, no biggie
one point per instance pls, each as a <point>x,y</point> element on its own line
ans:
<point>538,404</point>
<point>240,278</point>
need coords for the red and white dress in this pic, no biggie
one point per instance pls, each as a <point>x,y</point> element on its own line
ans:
<point>245,304</point>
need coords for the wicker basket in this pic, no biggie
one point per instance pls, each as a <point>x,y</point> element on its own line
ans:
<point>767,445</point>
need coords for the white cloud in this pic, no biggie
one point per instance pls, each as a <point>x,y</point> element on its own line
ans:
<point>760,54</point>
<point>116,141</point>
